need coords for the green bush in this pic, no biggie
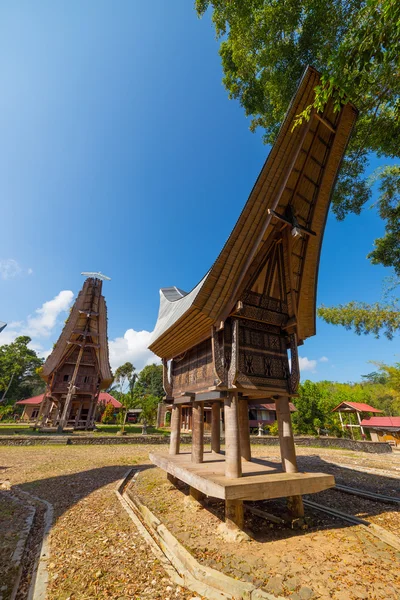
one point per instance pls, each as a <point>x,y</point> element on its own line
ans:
<point>273,429</point>
<point>108,415</point>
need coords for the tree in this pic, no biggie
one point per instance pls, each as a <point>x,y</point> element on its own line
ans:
<point>363,318</point>
<point>126,375</point>
<point>355,44</point>
<point>149,405</point>
<point>150,380</point>
<point>19,370</point>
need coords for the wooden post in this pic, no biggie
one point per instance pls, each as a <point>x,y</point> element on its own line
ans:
<point>195,494</point>
<point>197,432</point>
<point>46,404</point>
<point>175,438</point>
<point>351,428</point>
<point>91,412</point>
<point>234,514</point>
<point>57,414</point>
<point>288,452</point>
<point>233,463</point>
<point>215,427</point>
<point>244,429</point>
<point>341,420</point>
<point>70,393</point>
<point>78,414</point>
<point>359,421</point>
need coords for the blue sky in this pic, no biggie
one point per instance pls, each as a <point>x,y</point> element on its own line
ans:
<point>121,152</point>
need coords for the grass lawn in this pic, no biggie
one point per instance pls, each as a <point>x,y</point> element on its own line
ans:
<point>22,429</point>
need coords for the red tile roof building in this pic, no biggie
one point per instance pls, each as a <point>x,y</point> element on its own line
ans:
<point>32,405</point>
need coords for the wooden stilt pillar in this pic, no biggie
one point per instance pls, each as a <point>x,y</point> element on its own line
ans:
<point>71,391</point>
<point>91,413</point>
<point>234,514</point>
<point>42,417</point>
<point>56,415</point>
<point>216,427</point>
<point>195,494</point>
<point>172,479</point>
<point>233,463</point>
<point>78,414</point>
<point>288,452</point>
<point>175,439</point>
<point>244,429</point>
<point>197,432</point>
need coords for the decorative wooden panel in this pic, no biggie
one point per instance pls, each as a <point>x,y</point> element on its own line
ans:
<point>194,370</point>
<point>263,360</point>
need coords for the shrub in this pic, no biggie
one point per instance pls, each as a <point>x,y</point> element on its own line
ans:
<point>273,429</point>
<point>108,415</point>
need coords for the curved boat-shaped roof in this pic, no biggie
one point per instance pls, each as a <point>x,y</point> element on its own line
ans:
<point>300,170</point>
<point>74,328</point>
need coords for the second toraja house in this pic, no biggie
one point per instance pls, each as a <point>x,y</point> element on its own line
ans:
<point>227,341</point>
<point>78,368</point>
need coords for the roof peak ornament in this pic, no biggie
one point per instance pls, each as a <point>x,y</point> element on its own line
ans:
<point>96,275</point>
<point>290,219</point>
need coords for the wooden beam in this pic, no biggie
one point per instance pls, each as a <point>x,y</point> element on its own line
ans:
<point>325,122</point>
<point>83,344</point>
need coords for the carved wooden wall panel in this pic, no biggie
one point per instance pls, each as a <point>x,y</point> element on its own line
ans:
<point>194,370</point>
<point>263,360</point>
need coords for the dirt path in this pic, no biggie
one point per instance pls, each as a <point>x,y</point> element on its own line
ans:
<point>96,551</point>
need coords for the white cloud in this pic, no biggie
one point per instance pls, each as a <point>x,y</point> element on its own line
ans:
<point>133,348</point>
<point>41,324</point>
<point>323,359</point>
<point>306,364</point>
<point>9,268</point>
<point>30,271</point>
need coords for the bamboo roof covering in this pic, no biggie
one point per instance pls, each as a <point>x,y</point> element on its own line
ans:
<point>300,171</point>
<point>86,325</point>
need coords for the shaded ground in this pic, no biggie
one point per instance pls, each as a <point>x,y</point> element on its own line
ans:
<point>13,515</point>
<point>96,551</point>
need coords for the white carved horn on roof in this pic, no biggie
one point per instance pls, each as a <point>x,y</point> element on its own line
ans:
<point>97,275</point>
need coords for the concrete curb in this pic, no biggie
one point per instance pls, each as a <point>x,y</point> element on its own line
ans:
<point>181,566</point>
<point>40,576</point>
<point>18,553</point>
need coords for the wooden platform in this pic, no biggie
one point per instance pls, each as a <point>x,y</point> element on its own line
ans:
<point>261,478</point>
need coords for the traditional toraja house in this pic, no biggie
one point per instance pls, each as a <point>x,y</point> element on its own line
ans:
<point>78,368</point>
<point>227,340</point>
<point>353,408</point>
<point>32,407</point>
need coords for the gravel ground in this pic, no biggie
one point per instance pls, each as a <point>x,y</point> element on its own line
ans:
<point>328,560</point>
<point>96,551</point>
